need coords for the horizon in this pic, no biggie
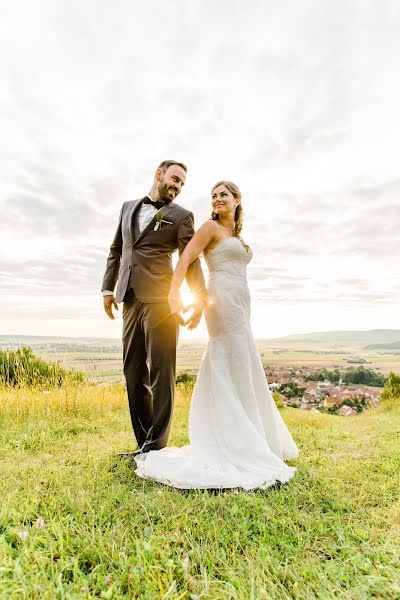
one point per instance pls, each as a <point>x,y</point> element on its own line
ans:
<point>204,339</point>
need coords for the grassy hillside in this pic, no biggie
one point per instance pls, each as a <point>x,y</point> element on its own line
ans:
<point>75,522</point>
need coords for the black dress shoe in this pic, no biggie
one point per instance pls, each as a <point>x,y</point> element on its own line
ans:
<point>132,454</point>
<point>129,454</point>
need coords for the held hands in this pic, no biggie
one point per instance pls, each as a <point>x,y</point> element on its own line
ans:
<point>176,306</point>
<point>109,303</point>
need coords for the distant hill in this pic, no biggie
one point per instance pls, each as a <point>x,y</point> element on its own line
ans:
<point>358,339</point>
<point>394,346</point>
<point>373,339</point>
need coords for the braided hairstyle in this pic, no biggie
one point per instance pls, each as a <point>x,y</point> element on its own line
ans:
<point>238,224</point>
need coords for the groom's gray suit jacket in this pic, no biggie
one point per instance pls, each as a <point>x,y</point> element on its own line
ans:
<point>142,260</point>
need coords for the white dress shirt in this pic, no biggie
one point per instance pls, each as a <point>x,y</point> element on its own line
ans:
<point>145,215</point>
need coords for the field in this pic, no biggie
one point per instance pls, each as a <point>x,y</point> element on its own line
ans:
<point>106,366</point>
<point>75,522</point>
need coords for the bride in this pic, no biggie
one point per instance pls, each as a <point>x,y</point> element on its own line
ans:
<point>238,438</point>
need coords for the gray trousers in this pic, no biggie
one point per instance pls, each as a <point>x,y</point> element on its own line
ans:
<point>150,335</point>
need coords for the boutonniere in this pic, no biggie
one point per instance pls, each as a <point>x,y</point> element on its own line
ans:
<point>160,220</point>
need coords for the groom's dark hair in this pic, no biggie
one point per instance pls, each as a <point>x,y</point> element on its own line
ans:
<point>167,163</point>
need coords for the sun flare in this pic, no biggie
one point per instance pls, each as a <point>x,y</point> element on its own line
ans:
<point>187,296</point>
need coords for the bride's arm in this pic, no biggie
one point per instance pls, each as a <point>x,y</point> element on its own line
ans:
<point>201,239</point>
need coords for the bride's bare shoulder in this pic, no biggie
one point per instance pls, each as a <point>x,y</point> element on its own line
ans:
<point>216,235</point>
<point>208,231</point>
<point>207,234</point>
<point>209,226</point>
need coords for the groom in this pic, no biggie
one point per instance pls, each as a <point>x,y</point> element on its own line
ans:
<point>148,232</point>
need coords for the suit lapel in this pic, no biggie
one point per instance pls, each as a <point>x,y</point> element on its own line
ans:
<point>133,220</point>
<point>135,225</point>
<point>164,210</point>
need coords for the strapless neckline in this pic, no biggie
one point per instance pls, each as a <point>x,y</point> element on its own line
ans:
<point>223,242</point>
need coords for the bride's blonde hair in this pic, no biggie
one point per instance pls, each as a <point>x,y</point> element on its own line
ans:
<point>238,224</point>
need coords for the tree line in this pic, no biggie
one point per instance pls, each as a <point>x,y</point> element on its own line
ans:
<point>352,376</point>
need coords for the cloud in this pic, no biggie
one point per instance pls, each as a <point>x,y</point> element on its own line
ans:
<point>78,270</point>
<point>298,104</point>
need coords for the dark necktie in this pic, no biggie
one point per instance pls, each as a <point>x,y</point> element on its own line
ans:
<point>156,205</point>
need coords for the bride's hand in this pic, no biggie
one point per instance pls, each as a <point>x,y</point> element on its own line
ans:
<point>195,317</point>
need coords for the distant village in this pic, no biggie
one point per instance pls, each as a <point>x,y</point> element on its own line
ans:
<point>291,387</point>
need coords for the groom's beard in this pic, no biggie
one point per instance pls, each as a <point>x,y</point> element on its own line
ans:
<point>163,191</point>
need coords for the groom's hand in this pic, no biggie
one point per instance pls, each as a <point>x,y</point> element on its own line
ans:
<point>109,303</point>
<point>175,306</point>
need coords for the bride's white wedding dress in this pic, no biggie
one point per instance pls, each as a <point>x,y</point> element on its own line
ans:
<point>238,438</point>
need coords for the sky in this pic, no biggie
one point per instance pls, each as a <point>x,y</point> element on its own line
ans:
<point>296,102</point>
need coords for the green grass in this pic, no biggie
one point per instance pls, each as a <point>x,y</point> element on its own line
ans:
<point>23,367</point>
<point>75,522</point>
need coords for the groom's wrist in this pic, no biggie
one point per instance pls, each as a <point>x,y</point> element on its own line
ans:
<point>107,293</point>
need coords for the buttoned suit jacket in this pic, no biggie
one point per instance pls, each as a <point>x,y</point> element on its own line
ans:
<point>142,260</point>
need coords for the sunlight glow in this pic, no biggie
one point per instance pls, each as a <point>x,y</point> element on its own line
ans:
<point>187,296</point>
